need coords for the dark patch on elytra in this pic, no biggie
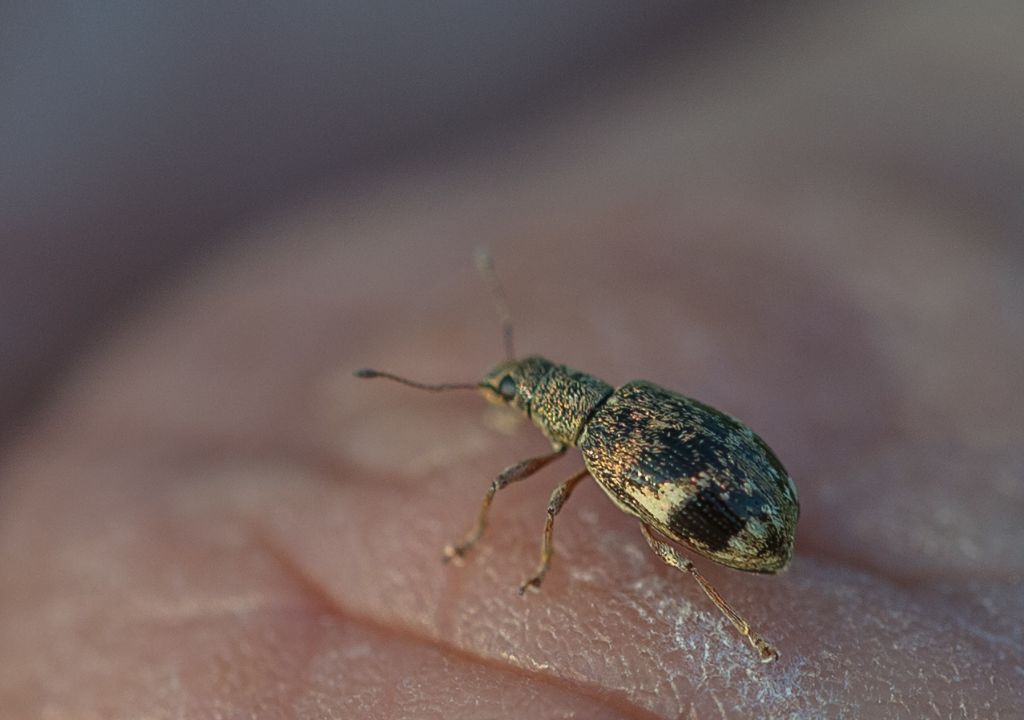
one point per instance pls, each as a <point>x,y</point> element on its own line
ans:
<point>723,475</point>
<point>711,521</point>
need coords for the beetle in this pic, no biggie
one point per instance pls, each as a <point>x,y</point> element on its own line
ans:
<point>691,474</point>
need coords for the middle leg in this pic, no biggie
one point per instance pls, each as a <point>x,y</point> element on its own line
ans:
<point>558,498</point>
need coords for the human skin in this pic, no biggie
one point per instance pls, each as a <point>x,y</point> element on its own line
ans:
<point>211,517</point>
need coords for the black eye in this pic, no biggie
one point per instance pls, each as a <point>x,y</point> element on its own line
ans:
<point>507,388</point>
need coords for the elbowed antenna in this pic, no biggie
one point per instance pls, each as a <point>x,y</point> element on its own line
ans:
<point>440,387</point>
<point>485,264</point>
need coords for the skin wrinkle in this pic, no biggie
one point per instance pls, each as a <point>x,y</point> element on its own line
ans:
<point>295,569</point>
<point>321,600</point>
<point>495,457</point>
<point>322,595</point>
<point>734,648</point>
<point>337,468</point>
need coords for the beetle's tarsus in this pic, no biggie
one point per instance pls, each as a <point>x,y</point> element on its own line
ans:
<point>454,553</point>
<point>767,652</point>
<point>531,584</point>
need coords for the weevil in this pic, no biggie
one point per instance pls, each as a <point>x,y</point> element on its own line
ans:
<point>690,473</point>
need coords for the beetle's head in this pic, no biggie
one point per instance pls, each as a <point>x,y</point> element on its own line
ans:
<point>514,382</point>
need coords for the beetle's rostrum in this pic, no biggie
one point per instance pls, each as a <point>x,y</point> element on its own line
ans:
<point>691,474</point>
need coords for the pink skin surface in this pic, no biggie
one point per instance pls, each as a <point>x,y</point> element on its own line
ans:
<point>212,518</point>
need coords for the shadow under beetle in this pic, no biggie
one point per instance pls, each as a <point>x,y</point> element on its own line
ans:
<point>690,473</point>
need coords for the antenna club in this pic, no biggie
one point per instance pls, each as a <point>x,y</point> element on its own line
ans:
<point>366,373</point>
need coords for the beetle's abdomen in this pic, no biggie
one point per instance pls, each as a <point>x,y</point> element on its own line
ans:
<point>696,474</point>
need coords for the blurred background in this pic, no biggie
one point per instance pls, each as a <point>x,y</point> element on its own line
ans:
<point>134,135</point>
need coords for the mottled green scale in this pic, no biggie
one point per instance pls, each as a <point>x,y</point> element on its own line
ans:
<point>695,474</point>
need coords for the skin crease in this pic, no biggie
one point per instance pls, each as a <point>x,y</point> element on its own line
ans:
<point>212,518</point>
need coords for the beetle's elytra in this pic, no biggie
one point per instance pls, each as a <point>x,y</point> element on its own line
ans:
<point>690,473</point>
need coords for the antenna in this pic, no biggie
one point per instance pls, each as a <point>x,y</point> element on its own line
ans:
<point>485,264</point>
<point>440,387</point>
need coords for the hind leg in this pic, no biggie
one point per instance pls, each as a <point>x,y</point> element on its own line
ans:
<point>672,557</point>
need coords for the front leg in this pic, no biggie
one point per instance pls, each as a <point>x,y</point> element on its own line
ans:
<point>511,474</point>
